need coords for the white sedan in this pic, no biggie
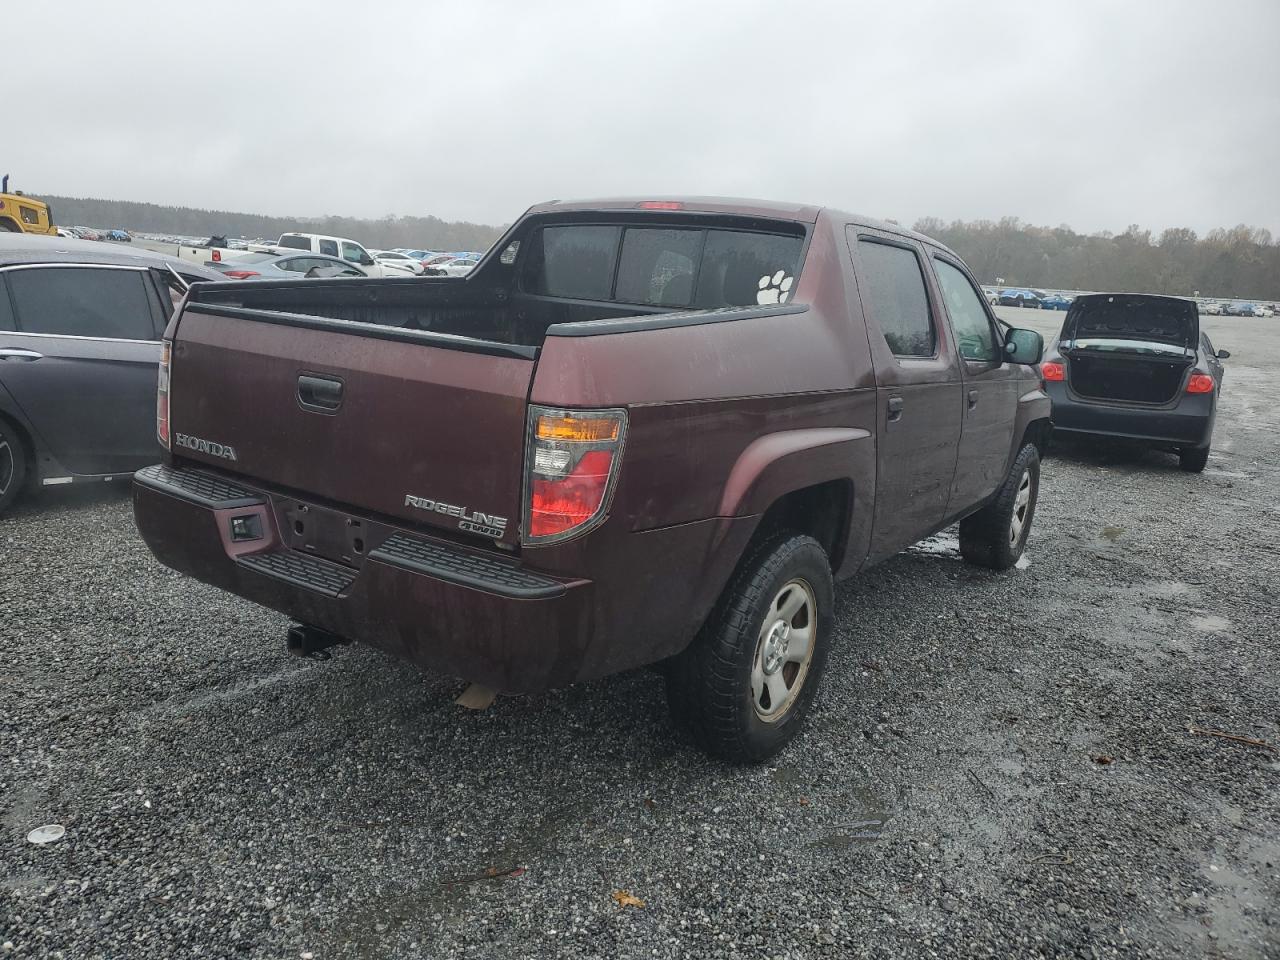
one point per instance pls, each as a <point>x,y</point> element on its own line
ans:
<point>398,261</point>
<point>454,268</point>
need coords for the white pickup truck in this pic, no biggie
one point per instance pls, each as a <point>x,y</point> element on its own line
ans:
<point>349,250</point>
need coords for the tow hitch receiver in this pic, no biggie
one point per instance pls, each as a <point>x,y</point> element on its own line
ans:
<point>312,642</point>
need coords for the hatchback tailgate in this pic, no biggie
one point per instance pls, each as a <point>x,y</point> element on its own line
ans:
<point>378,419</point>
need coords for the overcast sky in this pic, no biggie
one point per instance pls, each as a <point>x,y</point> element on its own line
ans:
<point>1093,114</point>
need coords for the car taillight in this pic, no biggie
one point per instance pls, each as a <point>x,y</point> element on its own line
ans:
<point>162,394</point>
<point>572,464</point>
<point>217,256</point>
<point>660,205</point>
<point>240,274</point>
<point>1200,383</point>
<point>1052,371</point>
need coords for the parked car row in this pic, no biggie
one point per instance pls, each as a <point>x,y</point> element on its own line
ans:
<point>89,233</point>
<point>576,469</point>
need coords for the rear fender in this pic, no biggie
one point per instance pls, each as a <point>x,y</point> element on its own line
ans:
<point>780,463</point>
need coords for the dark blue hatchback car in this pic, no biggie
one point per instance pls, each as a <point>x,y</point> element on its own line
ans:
<point>1139,367</point>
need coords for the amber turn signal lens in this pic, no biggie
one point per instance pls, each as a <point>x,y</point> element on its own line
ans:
<point>591,429</point>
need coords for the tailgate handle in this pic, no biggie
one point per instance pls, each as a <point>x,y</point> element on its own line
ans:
<point>321,394</point>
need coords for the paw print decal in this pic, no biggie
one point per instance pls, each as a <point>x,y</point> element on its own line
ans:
<point>775,288</point>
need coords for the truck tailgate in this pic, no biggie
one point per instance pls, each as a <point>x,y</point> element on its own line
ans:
<point>430,434</point>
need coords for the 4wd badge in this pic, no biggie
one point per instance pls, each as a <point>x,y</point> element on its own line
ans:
<point>485,524</point>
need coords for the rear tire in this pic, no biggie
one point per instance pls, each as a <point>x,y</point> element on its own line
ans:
<point>996,535</point>
<point>13,464</point>
<point>1193,459</point>
<point>744,686</point>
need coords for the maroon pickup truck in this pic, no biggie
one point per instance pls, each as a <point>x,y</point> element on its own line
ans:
<point>639,432</point>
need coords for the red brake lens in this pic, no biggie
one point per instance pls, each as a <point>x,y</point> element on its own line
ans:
<point>240,274</point>
<point>162,394</point>
<point>560,505</point>
<point>660,205</point>
<point>1200,383</point>
<point>1053,371</point>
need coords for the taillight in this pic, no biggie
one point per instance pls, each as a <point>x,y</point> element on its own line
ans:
<point>162,394</point>
<point>240,274</point>
<point>1200,383</point>
<point>1053,371</point>
<point>217,256</point>
<point>572,465</point>
<point>660,205</point>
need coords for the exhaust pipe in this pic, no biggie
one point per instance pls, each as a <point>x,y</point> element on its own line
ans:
<point>312,642</point>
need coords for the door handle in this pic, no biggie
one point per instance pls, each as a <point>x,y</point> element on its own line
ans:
<point>319,394</point>
<point>895,409</point>
<point>973,399</point>
<point>19,353</point>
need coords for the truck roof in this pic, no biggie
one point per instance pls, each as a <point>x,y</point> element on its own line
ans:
<point>18,248</point>
<point>733,206</point>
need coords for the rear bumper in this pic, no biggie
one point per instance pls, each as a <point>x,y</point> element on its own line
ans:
<point>1187,424</point>
<point>457,611</point>
<point>475,614</point>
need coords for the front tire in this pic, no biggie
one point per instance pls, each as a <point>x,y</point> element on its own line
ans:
<point>996,535</point>
<point>1193,459</point>
<point>744,686</point>
<point>13,465</point>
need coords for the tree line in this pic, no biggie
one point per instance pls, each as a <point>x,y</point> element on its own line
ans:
<point>1241,262</point>
<point>413,232</point>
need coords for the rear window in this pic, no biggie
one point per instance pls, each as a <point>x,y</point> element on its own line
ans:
<point>294,242</point>
<point>677,267</point>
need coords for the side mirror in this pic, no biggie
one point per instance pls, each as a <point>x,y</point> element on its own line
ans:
<point>1223,354</point>
<point>1023,346</point>
<point>366,260</point>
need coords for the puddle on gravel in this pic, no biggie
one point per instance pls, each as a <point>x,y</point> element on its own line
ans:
<point>1112,533</point>
<point>945,544</point>
<point>1211,623</point>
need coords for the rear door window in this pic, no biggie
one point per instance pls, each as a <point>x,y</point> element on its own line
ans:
<point>6,309</point>
<point>897,297</point>
<point>83,302</point>
<point>976,339</point>
<point>329,248</point>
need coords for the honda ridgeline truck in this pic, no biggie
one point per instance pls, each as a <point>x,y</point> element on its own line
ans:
<point>639,432</point>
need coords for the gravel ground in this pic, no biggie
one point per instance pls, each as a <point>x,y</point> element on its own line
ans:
<point>1000,764</point>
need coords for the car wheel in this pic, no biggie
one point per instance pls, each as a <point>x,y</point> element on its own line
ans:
<point>1193,459</point>
<point>996,535</point>
<point>13,465</point>
<point>744,686</point>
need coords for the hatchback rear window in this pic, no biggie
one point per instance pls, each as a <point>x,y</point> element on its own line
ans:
<point>677,267</point>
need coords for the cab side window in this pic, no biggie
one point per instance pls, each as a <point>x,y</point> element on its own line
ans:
<point>329,248</point>
<point>83,302</point>
<point>352,252</point>
<point>976,338</point>
<point>898,299</point>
